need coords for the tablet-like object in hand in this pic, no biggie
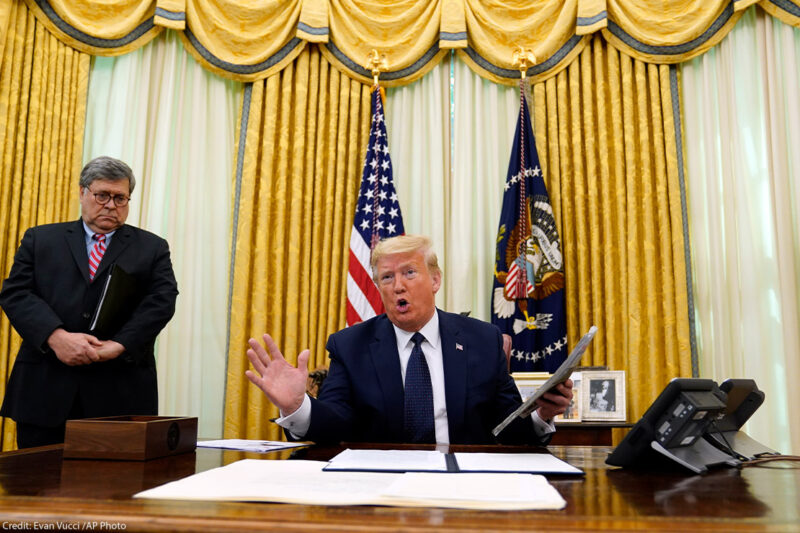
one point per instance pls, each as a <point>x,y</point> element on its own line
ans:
<point>559,376</point>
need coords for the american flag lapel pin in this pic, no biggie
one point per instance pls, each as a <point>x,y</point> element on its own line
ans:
<point>459,347</point>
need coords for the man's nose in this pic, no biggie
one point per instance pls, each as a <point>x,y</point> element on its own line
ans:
<point>399,284</point>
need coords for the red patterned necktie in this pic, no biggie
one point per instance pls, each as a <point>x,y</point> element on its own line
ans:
<point>96,254</point>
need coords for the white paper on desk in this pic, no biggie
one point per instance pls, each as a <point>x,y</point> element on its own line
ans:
<point>532,463</point>
<point>389,461</point>
<point>291,481</point>
<point>497,492</point>
<point>304,482</point>
<point>249,445</point>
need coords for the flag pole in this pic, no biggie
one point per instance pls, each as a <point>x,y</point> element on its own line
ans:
<point>376,63</point>
<point>523,58</point>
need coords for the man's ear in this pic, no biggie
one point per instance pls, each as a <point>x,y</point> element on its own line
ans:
<point>437,281</point>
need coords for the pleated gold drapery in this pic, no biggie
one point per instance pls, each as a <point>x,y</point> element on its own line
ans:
<point>44,85</point>
<point>306,135</point>
<point>99,27</point>
<point>606,133</point>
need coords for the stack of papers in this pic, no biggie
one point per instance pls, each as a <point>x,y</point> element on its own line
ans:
<point>435,461</point>
<point>389,461</point>
<point>305,482</point>
<point>534,463</point>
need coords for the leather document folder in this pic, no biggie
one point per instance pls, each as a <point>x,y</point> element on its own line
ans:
<point>117,301</point>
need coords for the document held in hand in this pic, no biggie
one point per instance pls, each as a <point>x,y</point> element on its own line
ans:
<point>118,299</point>
<point>559,376</point>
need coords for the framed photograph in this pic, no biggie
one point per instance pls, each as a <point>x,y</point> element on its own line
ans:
<point>573,413</point>
<point>529,382</point>
<point>603,395</point>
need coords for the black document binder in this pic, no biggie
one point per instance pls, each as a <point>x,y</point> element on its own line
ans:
<point>117,301</point>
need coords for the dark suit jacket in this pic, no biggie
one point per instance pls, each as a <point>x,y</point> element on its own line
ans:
<point>362,397</point>
<point>48,287</point>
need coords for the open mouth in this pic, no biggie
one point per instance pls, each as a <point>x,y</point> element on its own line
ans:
<point>402,305</point>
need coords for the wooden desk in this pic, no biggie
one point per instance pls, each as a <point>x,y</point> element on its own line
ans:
<point>39,488</point>
<point>589,433</point>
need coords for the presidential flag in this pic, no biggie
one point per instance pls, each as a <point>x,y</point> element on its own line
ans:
<point>528,291</point>
<point>377,217</point>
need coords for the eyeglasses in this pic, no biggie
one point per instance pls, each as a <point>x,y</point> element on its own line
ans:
<point>102,198</point>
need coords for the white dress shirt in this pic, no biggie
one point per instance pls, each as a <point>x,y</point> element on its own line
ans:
<point>432,350</point>
<point>297,423</point>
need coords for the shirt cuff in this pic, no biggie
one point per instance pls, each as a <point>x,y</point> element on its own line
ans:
<point>297,423</point>
<point>541,427</point>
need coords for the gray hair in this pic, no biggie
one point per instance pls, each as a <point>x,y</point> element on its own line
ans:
<point>404,244</point>
<point>106,168</point>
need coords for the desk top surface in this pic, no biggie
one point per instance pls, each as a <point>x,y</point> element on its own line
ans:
<point>39,487</point>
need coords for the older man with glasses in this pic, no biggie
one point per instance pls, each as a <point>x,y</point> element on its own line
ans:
<point>64,369</point>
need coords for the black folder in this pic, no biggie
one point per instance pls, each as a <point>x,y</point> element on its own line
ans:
<point>117,302</point>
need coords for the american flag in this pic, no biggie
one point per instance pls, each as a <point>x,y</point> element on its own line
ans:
<point>377,217</point>
<point>528,291</point>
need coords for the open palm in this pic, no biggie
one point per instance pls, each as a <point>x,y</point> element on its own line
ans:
<point>283,383</point>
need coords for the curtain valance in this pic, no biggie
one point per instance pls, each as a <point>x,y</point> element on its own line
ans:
<point>99,27</point>
<point>660,31</point>
<point>787,11</point>
<point>247,40</point>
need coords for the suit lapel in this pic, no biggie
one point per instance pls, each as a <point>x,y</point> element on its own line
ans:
<point>119,241</point>
<point>454,358</point>
<point>383,351</point>
<point>76,241</point>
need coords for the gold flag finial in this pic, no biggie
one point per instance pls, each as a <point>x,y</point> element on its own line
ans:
<point>523,58</point>
<point>376,63</point>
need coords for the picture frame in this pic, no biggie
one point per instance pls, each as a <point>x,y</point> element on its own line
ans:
<point>573,413</point>
<point>529,382</point>
<point>603,395</point>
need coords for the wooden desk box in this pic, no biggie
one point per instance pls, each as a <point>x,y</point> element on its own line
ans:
<point>133,438</point>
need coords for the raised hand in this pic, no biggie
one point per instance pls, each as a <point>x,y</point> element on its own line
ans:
<point>283,384</point>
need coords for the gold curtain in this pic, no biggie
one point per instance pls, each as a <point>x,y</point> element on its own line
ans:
<point>407,34</point>
<point>606,132</point>
<point>99,27</point>
<point>305,133</point>
<point>247,41</point>
<point>43,85</point>
<point>244,41</point>
<point>496,30</point>
<point>669,32</point>
<point>787,11</point>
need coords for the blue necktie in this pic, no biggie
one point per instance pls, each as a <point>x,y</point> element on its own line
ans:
<point>418,419</point>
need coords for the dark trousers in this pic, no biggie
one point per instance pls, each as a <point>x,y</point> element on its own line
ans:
<point>31,435</point>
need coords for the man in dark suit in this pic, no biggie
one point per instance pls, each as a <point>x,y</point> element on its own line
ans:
<point>62,370</point>
<point>413,374</point>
